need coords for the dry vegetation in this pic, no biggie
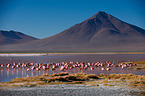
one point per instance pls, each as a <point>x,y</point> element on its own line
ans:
<point>121,80</point>
<point>114,80</point>
<point>60,78</point>
<point>140,65</point>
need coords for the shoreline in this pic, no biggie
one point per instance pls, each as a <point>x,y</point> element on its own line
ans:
<point>47,54</point>
<point>125,81</point>
<point>80,84</point>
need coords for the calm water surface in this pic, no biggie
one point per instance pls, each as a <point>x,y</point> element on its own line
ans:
<point>8,74</point>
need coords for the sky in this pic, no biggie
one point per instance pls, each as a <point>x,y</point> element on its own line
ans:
<point>45,18</point>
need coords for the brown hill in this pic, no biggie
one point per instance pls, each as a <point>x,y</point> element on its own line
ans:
<point>12,37</point>
<point>101,32</point>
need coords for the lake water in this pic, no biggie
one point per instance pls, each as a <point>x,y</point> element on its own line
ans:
<point>6,74</point>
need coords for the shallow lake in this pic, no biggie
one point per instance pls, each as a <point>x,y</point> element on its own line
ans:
<point>6,74</point>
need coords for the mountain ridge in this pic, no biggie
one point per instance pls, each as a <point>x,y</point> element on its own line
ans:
<point>13,37</point>
<point>102,32</point>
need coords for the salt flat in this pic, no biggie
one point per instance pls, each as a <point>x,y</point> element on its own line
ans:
<point>68,90</point>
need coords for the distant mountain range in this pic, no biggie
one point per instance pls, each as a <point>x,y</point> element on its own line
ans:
<point>101,32</point>
<point>12,37</point>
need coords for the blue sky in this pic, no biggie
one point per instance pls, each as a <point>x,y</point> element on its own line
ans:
<point>45,18</point>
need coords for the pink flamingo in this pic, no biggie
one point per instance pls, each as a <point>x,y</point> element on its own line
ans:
<point>108,69</point>
<point>92,68</point>
<point>102,68</point>
<point>28,69</point>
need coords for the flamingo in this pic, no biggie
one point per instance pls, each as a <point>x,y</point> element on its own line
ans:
<point>108,69</point>
<point>37,69</point>
<point>92,68</point>
<point>28,69</point>
<point>2,65</point>
<point>33,67</point>
<point>62,68</point>
<point>13,66</point>
<point>8,65</point>
<point>102,68</point>
<point>122,67</point>
<point>89,64</point>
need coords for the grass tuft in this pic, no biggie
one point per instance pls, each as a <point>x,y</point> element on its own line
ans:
<point>93,76</point>
<point>108,85</point>
<point>60,74</point>
<point>130,80</point>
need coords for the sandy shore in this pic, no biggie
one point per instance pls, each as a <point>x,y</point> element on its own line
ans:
<point>68,90</point>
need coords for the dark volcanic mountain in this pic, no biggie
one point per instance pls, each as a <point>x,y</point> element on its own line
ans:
<point>12,37</point>
<point>101,32</point>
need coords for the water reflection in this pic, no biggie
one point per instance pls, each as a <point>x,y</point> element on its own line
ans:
<point>1,72</point>
<point>22,63</point>
<point>8,72</point>
<point>13,72</point>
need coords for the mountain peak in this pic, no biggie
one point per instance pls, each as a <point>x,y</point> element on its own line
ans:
<point>100,32</point>
<point>100,14</point>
